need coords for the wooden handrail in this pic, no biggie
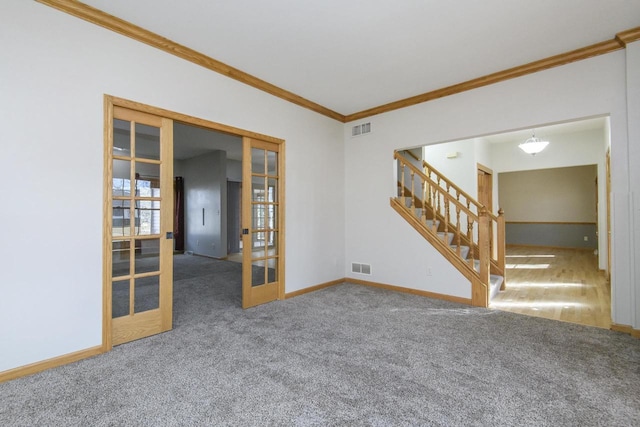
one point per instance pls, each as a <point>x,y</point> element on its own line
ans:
<point>433,183</point>
<point>412,155</point>
<point>451,184</point>
<point>483,232</point>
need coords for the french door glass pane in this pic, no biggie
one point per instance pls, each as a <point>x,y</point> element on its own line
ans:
<point>257,190</point>
<point>147,179</point>
<point>121,186</point>
<point>257,161</point>
<point>121,218</point>
<point>272,192</point>
<point>147,257</point>
<point>257,273</point>
<point>272,163</point>
<point>147,294</point>
<point>147,217</point>
<point>120,258</point>
<point>121,138</point>
<point>258,220</point>
<point>120,298</point>
<point>147,142</point>
<point>257,239</point>
<point>273,242</point>
<point>272,271</point>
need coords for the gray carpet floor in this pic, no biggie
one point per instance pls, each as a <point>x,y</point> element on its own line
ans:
<point>345,355</point>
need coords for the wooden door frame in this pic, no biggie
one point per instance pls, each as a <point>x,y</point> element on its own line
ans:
<point>608,213</point>
<point>237,233</point>
<point>487,171</point>
<point>109,103</point>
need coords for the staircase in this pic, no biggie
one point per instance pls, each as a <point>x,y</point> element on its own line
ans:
<point>465,232</point>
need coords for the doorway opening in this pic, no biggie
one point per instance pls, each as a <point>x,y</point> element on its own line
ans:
<point>477,163</point>
<point>156,159</point>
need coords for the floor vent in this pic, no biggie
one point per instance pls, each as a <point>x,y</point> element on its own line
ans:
<point>361,129</point>
<point>359,268</point>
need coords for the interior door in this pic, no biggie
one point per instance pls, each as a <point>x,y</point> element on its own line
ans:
<point>485,197</point>
<point>139,221</point>
<point>485,186</point>
<point>262,265</point>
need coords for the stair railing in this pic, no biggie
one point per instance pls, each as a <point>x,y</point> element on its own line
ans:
<point>496,222</point>
<point>442,207</point>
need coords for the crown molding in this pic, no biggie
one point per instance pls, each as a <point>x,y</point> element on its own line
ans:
<point>628,36</point>
<point>489,79</point>
<point>120,26</point>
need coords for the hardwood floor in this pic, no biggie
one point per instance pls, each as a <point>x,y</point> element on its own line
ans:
<point>559,284</point>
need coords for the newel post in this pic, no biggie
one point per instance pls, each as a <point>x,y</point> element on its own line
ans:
<point>502,253</point>
<point>480,293</point>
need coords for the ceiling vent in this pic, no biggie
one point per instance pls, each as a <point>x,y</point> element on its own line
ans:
<point>361,129</point>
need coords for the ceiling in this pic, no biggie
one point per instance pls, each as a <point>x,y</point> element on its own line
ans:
<point>352,55</point>
<point>191,141</point>
<point>544,132</point>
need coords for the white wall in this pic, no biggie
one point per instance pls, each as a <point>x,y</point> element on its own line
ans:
<point>53,76</point>
<point>377,235</point>
<point>483,152</point>
<point>564,150</point>
<point>462,170</point>
<point>633,120</point>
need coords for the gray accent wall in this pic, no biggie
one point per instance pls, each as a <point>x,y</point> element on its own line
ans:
<point>552,234</point>
<point>551,207</point>
<point>234,216</point>
<point>205,188</point>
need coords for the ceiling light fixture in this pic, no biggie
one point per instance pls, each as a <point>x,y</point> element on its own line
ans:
<point>533,145</point>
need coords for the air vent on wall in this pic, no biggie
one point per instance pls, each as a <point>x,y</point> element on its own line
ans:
<point>361,129</point>
<point>357,267</point>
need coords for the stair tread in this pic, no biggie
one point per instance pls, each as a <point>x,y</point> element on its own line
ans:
<point>495,282</point>
<point>441,234</point>
<point>464,250</point>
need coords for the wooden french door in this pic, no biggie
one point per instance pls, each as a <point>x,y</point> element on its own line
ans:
<point>139,225</point>
<point>262,221</point>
